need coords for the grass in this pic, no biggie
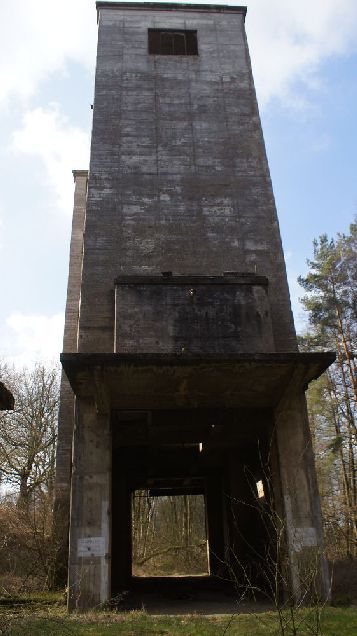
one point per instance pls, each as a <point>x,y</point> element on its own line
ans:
<point>34,599</point>
<point>46,616</point>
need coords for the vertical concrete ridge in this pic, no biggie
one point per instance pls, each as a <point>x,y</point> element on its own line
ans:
<point>67,399</point>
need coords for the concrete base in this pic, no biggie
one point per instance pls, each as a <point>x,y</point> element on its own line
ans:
<point>164,436</point>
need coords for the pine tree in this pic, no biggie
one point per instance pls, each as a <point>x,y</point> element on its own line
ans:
<point>331,302</point>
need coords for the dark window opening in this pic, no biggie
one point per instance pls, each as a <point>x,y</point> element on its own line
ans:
<point>172,42</point>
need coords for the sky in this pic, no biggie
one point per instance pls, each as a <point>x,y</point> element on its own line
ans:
<point>304,57</point>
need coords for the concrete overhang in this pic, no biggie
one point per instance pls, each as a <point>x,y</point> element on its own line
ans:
<point>79,173</point>
<point>172,6</point>
<point>6,398</point>
<point>174,381</point>
<point>166,278</point>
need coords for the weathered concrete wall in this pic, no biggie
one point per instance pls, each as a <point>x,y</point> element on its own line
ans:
<point>89,562</point>
<point>193,315</point>
<point>66,411</point>
<point>179,178</point>
<point>300,498</point>
<point>178,182</point>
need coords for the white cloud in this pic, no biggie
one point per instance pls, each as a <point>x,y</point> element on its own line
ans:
<point>48,135</point>
<point>34,337</point>
<point>290,39</point>
<point>1,234</point>
<point>38,37</point>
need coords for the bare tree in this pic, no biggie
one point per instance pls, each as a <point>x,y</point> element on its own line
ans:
<point>27,463</point>
<point>263,571</point>
<point>168,534</point>
<point>28,433</point>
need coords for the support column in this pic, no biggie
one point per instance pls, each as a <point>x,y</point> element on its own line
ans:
<point>300,500</point>
<point>89,550</point>
<point>214,511</point>
<point>66,410</point>
<point>121,534</point>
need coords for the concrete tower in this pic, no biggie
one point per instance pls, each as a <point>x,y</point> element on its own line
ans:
<point>179,343</point>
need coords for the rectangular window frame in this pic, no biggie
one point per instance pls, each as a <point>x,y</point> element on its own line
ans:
<point>173,42</point>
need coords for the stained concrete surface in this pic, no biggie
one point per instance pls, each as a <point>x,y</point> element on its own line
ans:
<point>178,182</point>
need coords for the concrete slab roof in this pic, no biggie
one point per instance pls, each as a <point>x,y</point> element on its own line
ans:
<point>172,6</point>
<point>164,381</point>
<point>79,173</point>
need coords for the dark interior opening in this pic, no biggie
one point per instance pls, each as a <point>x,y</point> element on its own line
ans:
<point>170,462</point>
<point>172,42</point>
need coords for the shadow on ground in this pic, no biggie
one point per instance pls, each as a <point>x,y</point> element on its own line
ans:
<point>184,595</point>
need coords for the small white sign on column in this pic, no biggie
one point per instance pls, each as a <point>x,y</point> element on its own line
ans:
<point>91,547</point>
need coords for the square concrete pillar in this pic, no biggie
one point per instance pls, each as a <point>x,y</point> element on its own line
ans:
<point>89,550</point>
<point>300,501</point>
<point>66,410</point>
<point>215,525</point>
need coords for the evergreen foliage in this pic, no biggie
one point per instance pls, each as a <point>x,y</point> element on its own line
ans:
<point>331,303</point>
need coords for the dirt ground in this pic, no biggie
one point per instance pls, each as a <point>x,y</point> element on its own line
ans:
<point>205,595</point>
<point>185,595</point>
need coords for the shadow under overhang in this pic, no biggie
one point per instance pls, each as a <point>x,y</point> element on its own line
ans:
<point>174,381</point>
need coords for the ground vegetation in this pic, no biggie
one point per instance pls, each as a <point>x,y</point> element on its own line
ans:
<point>46,616</point>
<point>27,466</point>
